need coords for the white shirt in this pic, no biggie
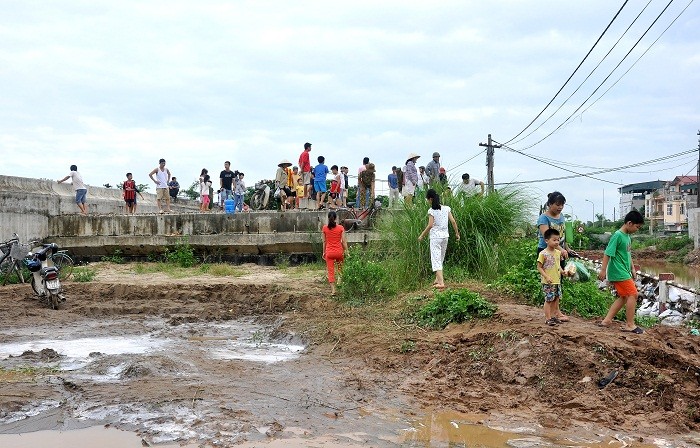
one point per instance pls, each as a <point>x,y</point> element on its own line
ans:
<point>162,177</point>
<point>440,221</point>
<point>470,188</point>
<point>77,180</point>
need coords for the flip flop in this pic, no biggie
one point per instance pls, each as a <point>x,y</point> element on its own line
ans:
<point>636,330</point>
<point>607,380</point>
<point>602,325</point>
<point>563,318</point>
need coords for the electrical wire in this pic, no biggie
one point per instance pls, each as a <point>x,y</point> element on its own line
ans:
<point>591,174</point>
<point>604,80</point>
<point>639,58</point>
<point>585,79</point>
<point>572,74</point>
<point>469,159</point>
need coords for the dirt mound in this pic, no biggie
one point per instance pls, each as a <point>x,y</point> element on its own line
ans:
<point>511,365</point>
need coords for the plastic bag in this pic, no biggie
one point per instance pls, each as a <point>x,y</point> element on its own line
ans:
<point>581,271</point>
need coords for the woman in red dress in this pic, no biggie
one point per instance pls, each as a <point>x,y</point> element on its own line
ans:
<point>334,247</point>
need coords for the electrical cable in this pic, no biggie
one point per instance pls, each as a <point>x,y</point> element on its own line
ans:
<point>585,79</point>
<point>469,159</point>
<point>639,58</point>
<point>604,80</point>
<point>574,72</point>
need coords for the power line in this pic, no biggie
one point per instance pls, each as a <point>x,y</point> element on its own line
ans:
<point>604,80</point>
<point>639,58</point>
<point>469,159</point>
<point>574,165</point>
<point>572,74</point>
<point>587,77</point>
<point>591,174</point>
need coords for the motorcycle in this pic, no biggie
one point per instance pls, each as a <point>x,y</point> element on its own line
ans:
<point>45,276</point>
<point>261,196</point>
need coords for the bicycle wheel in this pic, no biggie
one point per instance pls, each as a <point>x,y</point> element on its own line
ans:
<point>5,269</point>
<point>64,263</point>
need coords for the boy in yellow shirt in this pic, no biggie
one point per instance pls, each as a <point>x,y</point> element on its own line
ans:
<point>299,189</point>
<point>549,266</point>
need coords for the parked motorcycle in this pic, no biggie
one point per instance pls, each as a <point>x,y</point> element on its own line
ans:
<point>261,196</point>
<point>45,276</point>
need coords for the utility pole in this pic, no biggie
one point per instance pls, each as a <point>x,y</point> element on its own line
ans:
<point>489,162</point>
<point>697,181</point>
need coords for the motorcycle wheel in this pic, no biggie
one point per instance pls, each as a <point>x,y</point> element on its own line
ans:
<point>54,300</point>
<point>257,201</point>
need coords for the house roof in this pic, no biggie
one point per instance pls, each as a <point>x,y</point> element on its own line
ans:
<point>684,180</point>
<point>642,187</point>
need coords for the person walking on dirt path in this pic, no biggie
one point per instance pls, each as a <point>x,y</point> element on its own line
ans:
<point>549,267</point>
<point>305,168</point>
<point>432,169</point>
<point>618,268</point>
<point>162,179</point>
<point>410,178</point>
<point>439,216</point>
<point>335,246</point>
<point>227,181</point>
<point>79,187</point>
<point>393,181</point>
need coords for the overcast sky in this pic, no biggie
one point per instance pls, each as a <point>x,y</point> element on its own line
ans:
<point>114,86</point>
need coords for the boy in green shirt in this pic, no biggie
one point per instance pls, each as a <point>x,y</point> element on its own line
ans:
<point>618,267</point>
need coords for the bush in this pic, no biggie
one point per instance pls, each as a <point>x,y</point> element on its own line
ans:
<point>454,306</point>
<point>523,280</point>
<point>83,274</point>
<point>182,255</point>
<point>362,279</point>
<point>116,257</point>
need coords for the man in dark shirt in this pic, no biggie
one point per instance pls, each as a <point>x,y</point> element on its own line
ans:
<point>226,182</point>
<point>174,187</point>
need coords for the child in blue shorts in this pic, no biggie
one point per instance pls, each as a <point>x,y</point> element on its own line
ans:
<point>320,173</point>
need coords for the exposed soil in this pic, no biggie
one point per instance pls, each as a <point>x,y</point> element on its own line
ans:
<point>369,360</point>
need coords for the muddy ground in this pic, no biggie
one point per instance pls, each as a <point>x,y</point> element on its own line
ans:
<point>365,372</point>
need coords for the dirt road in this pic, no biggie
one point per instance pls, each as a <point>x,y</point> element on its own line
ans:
<point>261,355</point>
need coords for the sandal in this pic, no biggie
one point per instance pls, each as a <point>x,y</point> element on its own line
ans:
<point>563,318</point>
<point>636,330</point>
<point>552,322</point>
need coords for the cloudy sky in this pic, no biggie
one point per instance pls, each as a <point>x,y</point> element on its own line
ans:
<point>114,86</point>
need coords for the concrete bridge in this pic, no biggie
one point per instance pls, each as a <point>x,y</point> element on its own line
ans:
<point>45,210</point>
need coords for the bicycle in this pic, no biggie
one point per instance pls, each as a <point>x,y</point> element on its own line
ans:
<point>16,255</point>
<point>5,260</point>
<point>64,263</point>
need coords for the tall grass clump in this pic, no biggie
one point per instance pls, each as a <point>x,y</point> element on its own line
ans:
<point>485,224</point>
<point>364,280</point>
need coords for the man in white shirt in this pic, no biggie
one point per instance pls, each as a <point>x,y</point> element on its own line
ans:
<point>469,186</point>
<point>162,189</point>
<point>78,186</point>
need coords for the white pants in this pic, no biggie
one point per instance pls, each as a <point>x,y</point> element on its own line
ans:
<point>409,188</point>
<point>393,196</point>
<point>438,248</point>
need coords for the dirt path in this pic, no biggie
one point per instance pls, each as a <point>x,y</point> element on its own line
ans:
<point>365,372</point>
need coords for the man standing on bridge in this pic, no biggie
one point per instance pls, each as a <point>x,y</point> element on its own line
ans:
<point>161,181</point>
<point>79,187</point>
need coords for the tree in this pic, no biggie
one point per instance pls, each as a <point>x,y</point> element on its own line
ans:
<point>600,217</point>
<point>192,192</point>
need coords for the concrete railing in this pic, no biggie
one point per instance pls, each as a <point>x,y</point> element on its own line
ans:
<point>26,205</point>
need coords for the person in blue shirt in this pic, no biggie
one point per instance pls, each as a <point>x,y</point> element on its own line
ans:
<point>320,173</point>
<point>393,187</point>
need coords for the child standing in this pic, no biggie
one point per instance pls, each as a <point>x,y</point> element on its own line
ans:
<point>334,194</point>
<point>300,190</point>
<point>334,247</point>
<point>320,173</point>
<point>438,218</point>
<point>618,268</point>
<point>240,192</point>
<point>548,264</point>
<point>204,185</point>
<point>129,187</point>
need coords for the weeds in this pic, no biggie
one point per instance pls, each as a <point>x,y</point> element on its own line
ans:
<point>116,257</point>
<point>646,321</point>
<point>508,335</point>
<point>407,346</point>
<point>182,255</point>
<point>454,306</point>
<point>84,274</point>
<point>363,279</point>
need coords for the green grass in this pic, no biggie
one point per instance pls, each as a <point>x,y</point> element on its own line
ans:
<point>176,271</point>
<point>84,274</point>
<point>455,306</point>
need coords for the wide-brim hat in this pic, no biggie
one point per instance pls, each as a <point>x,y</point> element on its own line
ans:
<point>284,163</point>
<point>412,155</point>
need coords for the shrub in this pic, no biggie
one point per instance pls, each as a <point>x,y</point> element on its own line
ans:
<point>362,279</point>
<point>182,255</point>
<point>523,280</point>
<point>454,306</point>
<point>116,257</point>
<point>84,274</point>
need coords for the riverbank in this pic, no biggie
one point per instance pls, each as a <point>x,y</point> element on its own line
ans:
<point>335,370</point>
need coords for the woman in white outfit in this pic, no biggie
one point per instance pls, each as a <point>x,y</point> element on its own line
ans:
<point>438,218</point>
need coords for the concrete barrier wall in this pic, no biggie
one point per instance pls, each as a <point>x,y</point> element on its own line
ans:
<point>694,226</point>
<point>26,205</point>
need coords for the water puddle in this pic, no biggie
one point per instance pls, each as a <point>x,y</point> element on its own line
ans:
<point>96,436</point>
<point>453,429</point>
